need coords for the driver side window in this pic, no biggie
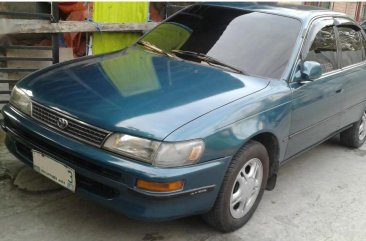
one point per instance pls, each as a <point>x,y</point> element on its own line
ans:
<point>324,49</point>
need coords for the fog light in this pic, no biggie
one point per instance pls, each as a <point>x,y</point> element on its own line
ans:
<point>160,186</point>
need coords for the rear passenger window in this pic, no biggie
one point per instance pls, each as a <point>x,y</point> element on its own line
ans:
<point>324,49</point>
<point>352,46</point>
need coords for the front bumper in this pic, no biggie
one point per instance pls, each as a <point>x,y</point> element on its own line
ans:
<point>110,179</point>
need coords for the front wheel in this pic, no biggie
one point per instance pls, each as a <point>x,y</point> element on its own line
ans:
<point>355,136</point>
<point>242,188</point>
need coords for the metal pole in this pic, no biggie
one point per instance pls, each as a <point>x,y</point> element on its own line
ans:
<point>55,45</point>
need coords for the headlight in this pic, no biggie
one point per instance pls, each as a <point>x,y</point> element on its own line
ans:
<point>179,153</point>
<point>165,154</point>
<point>143,149</point>
<point>21,100</point>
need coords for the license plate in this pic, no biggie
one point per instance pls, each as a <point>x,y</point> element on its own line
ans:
<point>54,170</point>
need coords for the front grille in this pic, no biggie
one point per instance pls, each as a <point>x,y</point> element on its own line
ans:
<point>76,129</point>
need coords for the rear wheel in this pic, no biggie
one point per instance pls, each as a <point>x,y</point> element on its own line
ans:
<point>242,188</point>
<point>355,136</point>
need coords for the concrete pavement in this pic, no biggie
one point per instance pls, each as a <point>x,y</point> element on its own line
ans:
<point>320,195</point>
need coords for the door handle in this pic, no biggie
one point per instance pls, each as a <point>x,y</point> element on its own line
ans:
<point>339,91</point>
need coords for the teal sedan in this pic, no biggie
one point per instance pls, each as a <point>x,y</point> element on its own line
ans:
<point>197,116</point>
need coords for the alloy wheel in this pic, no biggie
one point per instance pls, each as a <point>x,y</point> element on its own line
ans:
<point>246,188</point>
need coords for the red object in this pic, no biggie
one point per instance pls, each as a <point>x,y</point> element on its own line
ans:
<point>154,14</point>
<point>69,7</point>
<point>76,12</point>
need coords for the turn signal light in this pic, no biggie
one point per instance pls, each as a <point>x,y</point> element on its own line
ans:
<point>160,186</point>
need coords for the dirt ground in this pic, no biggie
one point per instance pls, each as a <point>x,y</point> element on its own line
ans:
<point>320,195</point>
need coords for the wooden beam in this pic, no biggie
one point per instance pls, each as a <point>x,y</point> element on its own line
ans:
<point>7,58</point>
<point>16,26</point>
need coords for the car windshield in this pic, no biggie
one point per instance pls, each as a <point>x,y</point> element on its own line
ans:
<point>255,43</point>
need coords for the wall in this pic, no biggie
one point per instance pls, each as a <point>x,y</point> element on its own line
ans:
<point>348,8</point>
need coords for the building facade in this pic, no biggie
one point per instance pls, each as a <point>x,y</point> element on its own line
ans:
<point>356,10</point>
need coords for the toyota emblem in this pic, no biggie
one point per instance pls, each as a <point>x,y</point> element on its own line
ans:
<point>62,123</point>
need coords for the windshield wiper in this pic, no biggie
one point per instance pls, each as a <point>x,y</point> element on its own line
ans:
<point>208,59</point>
<point>155,49</point>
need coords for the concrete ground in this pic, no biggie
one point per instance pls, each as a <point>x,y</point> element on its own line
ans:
<point>319,196</point>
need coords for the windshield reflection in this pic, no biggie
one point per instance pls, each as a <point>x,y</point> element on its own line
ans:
<point>257,43</point>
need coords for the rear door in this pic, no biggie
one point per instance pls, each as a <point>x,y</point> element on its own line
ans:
<point>353,64</point>
<point>315,106</point>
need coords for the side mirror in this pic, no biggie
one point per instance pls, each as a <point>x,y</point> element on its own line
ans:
<point>311,70</point>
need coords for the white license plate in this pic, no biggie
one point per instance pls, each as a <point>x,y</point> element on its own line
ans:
<point>54,170</point>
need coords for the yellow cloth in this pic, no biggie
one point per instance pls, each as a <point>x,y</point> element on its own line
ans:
<point>117,12</point>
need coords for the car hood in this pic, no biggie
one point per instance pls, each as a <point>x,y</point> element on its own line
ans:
<point>137,92</point>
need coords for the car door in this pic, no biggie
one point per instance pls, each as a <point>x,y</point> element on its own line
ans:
<point>352,59</point>
<point>315,104</point>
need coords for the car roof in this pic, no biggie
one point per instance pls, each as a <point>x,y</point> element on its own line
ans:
<point>302,12</point>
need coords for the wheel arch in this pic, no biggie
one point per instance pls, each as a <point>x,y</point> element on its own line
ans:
<point>272,145</point>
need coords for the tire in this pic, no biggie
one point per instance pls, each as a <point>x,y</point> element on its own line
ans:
<point>226,216</point>
<point>355,136</point>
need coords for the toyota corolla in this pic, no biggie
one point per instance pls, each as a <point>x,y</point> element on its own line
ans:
<point>196,116</point>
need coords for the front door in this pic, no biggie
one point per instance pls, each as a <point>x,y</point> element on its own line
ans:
<point>315,105</point>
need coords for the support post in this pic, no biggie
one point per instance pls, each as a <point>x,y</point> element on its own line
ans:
<point>55,36</point>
